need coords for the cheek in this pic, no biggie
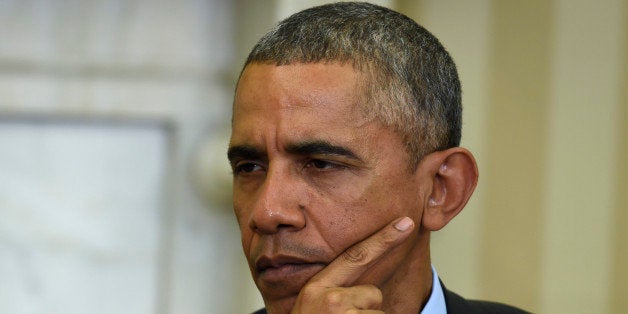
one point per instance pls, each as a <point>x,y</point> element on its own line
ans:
<point>241,216</point>
<point>246,236</point>
<point>378,205</point>
<point>347,216</point>
<point>246,233</point>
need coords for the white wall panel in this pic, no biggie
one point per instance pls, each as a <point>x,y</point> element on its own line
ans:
<point>139,60</point>
<point>82,211</point>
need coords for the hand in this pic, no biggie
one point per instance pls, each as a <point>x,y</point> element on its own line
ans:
<point>332,290</point>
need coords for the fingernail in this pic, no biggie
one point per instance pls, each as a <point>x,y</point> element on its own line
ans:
<point>404,224</point>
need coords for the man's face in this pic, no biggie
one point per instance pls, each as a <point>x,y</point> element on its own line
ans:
<point>312,176</point>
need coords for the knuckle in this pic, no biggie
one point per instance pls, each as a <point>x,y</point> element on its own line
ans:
<point>357,254</point>
<point>333,298</point>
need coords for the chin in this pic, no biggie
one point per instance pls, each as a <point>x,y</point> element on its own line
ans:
<point>280,295</point>
<point>280,306</point>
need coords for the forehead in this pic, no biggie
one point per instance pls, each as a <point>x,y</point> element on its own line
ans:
<point>301,96</point>
<point>331,85</point>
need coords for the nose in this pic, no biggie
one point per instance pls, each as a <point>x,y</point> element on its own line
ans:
<point>279,203</point>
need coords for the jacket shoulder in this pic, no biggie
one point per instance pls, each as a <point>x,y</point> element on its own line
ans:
<point>495,308</point>
<point>458,305</point>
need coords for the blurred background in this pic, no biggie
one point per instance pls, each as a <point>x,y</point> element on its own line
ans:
<point>114,121</point>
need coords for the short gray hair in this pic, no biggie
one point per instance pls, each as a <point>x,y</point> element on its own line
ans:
<point>412,84</point>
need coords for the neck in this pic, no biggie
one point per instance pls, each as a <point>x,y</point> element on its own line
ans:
<point>410,286</point>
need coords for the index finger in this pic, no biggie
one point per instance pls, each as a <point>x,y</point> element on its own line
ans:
<point>353,262</point>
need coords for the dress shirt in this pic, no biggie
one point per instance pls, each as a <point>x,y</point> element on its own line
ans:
<point>436,303</point>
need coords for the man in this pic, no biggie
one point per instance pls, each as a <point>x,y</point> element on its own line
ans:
<point>344,149</point>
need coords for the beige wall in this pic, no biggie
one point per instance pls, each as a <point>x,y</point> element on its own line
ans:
<point>546,108</point>
<point>545,98</point>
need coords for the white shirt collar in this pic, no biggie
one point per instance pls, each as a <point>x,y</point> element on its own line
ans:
<point>436,303</point>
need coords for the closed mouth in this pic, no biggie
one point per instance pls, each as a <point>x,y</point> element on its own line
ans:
<point>265,263</point>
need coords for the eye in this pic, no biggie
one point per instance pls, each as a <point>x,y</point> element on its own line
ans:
<point>322,164</point>
<point>246,167</point>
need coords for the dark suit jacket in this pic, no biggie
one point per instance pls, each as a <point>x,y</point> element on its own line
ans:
<point>458,305</point>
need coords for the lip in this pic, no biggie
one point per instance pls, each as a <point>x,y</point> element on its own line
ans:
<point>283,268</point>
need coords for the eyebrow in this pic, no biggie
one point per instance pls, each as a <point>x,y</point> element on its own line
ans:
<point>304,148</point>
<point>244,152</point>
<point>320,148</point>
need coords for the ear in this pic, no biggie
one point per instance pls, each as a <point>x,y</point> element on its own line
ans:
<point>453,175</point>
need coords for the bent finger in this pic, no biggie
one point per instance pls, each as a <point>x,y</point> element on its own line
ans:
<point>354,261</point>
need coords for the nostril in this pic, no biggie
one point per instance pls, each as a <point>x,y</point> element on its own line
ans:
<point>283,226</point>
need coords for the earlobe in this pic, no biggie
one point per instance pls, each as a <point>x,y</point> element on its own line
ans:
<point>453,174</point>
